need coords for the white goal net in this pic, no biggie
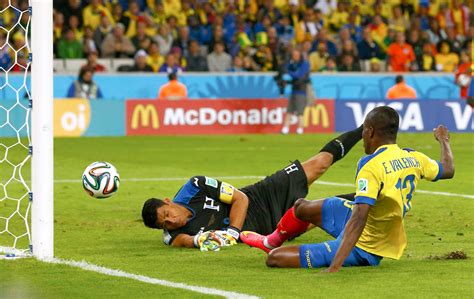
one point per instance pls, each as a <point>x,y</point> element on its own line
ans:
<point>15,141</point>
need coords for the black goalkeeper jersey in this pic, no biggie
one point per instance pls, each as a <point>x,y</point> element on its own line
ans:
<point>269,199</point>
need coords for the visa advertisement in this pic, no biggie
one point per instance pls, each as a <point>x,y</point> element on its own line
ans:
<point>415,116</point>
<point>152,117</point>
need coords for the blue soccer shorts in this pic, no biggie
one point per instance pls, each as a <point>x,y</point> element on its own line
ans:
<point>335,214</point>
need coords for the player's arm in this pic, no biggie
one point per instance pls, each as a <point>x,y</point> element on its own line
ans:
<point>183,240</point>
<point>441,134</point>
<point>238,210</point>
<point>352,232</point>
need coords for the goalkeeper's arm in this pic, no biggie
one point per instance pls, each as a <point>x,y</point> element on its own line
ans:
<point>183,240</point>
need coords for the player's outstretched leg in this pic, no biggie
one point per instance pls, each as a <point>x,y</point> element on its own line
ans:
<point>332,152</point>
<point>293,223</point>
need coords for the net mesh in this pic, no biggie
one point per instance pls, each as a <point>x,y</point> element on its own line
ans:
<point>15,109</point>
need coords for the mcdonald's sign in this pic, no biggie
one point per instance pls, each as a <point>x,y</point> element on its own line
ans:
<point>229,116</point>
<point>318,116</point>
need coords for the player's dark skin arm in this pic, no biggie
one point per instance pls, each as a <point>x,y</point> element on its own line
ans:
<point>441,134</point>
<point>238,212</point>
<point>352,233</point>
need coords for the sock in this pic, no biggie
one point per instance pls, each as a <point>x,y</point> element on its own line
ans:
<point>288,227</point>
<point>342,144</point>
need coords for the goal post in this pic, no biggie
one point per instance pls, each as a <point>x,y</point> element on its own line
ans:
<point>42,217</point>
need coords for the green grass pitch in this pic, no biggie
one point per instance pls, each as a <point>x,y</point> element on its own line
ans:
<point>110,232</point>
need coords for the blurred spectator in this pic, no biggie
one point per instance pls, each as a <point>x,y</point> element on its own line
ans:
<point>457,17</point>
<point>69,46</point>
<point>348,64</point>
<point>183,41</point>
<point>323,38</point>
<point>417,45</point>
<point>348,48</point>
<point>93,13</point>
<point>85,87</point>
<point>326,6</point>
<point>195,62</point>
<point>178,57</point>
<point>282,30</point>
<point>218,37</point>
<point>237,65</point>
<point>164,39</point>
<point>446,60</point>
<point>367,49</point>
<point>426,61</point>
<point>338,17</point>
<point>330,67</point>
<point>298,69</point>
<point>116,44</point>
<point>317,60</point>
<point>400,90</point>
<point>463,75</point>
<point>5,58</point>
<point>249,64</point>
<point>173,90</point>
<point>399,21</point>
<point>73,8</point>
<point>263,58</point>
<point>73,22</point>
<point>435,33</point>
<point>134,15</point>
<point>354,28</point>
<point>93,64</point>
<point>400,54</point>
<point>141,64</point>
<point>310,26</point>
<point>88,43</point>
<point>156,13</point>
<point>102,31</point>
<point>58,26</point>
<point>218,60</point>
<point>119,17</point>
<point>141,40</point>
<point>379,29</point>
<point>454,40</point>
<point>171,65</point>
<point>375,65</point>
<point>21,62</point>
<point>155,59</point>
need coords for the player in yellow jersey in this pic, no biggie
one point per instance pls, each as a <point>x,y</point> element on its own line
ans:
<point>370,227</point>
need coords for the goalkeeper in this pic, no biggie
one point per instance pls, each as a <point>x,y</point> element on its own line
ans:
<point>208,214</point>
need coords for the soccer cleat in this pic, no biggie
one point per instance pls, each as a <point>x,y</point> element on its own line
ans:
<point>256,240</point>
<point>285,130</point>
<point>299,131</point>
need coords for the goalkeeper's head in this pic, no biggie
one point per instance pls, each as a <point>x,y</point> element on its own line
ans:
<point>164,214</point>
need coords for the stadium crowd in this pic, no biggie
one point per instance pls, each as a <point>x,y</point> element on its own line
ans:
<point>258,35</point>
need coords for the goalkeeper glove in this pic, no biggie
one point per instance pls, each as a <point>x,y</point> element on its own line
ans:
<point>228,237</point>
<point>207,241</point>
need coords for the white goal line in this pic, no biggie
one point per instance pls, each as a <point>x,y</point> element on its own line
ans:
<point>146,279</point>
<point>441,193</point>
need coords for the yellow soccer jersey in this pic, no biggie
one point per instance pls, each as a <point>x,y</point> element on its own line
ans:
<point>386,180</point>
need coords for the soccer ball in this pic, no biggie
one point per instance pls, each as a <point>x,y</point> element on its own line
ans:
<point>100,180</point>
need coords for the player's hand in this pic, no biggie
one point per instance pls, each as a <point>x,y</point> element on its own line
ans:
<point>330,270</point>
<point>225,238</point>
<point>207,241</point>
<point>441,133</point>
